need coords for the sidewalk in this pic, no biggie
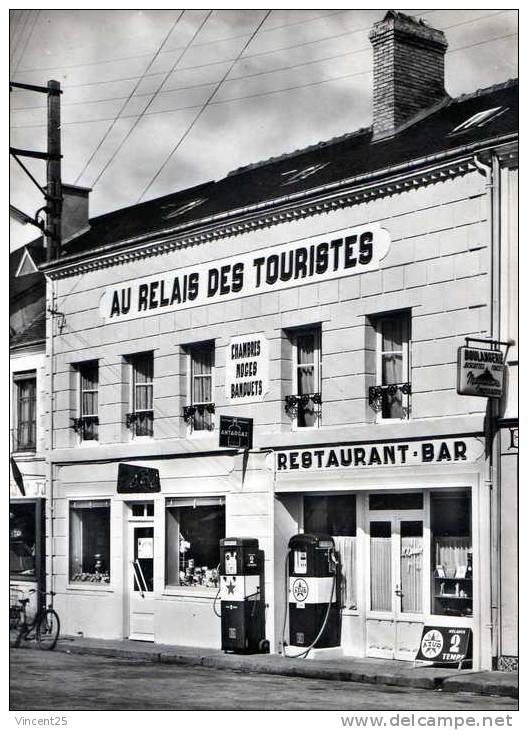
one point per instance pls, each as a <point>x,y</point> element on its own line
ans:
<point>349,669</point>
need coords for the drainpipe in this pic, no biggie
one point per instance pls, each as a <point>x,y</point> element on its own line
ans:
<point>49,464</point>
<point>491,171</point>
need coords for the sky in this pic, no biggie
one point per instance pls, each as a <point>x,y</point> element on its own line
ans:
<point>155,101</point>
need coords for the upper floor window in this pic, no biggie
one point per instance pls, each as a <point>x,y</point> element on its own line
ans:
<point>25,431</point>
<point>305,402</point>
<point>141,417</point>
<point>200,411</point>
<point>390,395</point>
<point>87,423</point>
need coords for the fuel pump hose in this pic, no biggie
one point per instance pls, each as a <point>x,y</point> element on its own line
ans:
<point>325,620</point>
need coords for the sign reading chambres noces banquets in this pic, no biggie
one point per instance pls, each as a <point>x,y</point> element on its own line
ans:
<point>342,253</point>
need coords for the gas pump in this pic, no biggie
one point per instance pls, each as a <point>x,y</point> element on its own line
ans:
<point>242,595</point>
<point>313,576</point>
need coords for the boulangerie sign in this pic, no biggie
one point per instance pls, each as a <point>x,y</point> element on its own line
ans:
<point>342,253</point>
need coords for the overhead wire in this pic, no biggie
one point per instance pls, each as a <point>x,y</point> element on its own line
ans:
<point>149,65</point>
<point>18,26</point>
<point>241,76</point>
<point>203,108</point>
<point>173,50</point>
<point>152,99</point>
<point>249,96</point>
<point>28,38</point>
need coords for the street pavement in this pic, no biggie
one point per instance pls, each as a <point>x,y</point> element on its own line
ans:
<point>59,681</point>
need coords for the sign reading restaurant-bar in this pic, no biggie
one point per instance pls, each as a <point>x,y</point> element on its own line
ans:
<point>344,253</point>
<point>437,451</point>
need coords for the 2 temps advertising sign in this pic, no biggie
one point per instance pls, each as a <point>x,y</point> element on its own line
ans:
<point>316,259</point>
<point>480,372</point>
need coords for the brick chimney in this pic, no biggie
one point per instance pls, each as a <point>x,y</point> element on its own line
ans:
<point>408,70</point>
<point>74,211</point>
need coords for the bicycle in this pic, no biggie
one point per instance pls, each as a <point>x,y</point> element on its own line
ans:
<point>44,626</point>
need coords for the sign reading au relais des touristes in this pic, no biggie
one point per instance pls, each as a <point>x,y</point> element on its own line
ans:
<point>480,372</point>
<point>343,253</point>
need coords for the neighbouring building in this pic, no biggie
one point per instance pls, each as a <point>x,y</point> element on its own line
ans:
<point>27,335</point>
<point>324,294</point>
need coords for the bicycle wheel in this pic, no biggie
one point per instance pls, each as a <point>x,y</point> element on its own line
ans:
<point>15,633</point>
<point>48,629</point>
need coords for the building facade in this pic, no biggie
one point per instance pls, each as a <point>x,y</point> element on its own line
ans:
<point>324,294</point>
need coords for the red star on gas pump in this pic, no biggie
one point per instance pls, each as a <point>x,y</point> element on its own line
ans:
<point>231,586</point>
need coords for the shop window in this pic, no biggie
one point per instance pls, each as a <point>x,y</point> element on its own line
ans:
<point>25,432</point>
<point>390,397</point>
<point>194,528</point>
<point>90,541</point>
<point>451,554</point>
<point>22,540</point>
<point>200,411</point>
<point>304,404</point>
<point>87,422</point>
<point>336,516</point>
<point>141,418</point>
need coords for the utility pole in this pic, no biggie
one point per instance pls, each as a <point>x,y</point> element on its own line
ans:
<point>53,173</point>
<point>53,189</point>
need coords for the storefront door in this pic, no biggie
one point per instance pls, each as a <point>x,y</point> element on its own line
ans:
<point>396,583</point>
<point>141,580</point>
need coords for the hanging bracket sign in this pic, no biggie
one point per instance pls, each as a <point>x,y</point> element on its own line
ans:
<point>444,645</point>
<point>236,432</point>
<point>480,372</point>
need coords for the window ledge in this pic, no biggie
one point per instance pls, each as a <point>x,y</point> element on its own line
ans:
<point>100,588</point>
<point>189,592</point>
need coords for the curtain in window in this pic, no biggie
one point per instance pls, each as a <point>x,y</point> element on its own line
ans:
<point>202,385</point>
<point>26,413</point>
<point>143,376</point>
<point>411,568</point>
<point>452,553</point>
<point>392,365</point>
<point>380,574</point>
<point>76,561</point>
<point>346,549</point>
<point>306,366</point>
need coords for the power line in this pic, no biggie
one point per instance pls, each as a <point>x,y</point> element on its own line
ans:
<point>153,97</point>
<point>107,132</point>
<point>28,38</point>
<point>204,107</point>
<point>262,93</point>
<point>178,48</point>
<point>18,32</point>
<point>245,76</point>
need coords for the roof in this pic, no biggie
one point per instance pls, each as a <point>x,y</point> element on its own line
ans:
<point>27,297</point>
<point>33,333</point>
<point>322,164</point>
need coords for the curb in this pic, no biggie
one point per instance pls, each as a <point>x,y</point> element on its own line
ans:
<point>291,668</point>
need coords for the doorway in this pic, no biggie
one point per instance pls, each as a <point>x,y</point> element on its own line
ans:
<point>396,591</point>
<point>141,571</point>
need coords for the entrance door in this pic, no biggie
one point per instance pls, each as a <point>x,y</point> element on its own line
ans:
<point>396,584</point>
<point>141,580</point>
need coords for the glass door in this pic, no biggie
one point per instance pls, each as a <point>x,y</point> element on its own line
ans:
<point>141,553</point>
<point>396,584</point>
